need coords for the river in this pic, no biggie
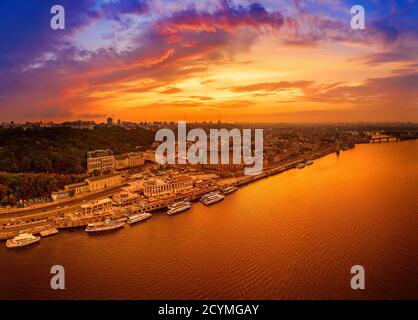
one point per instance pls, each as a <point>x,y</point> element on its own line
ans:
<point>291,236</point>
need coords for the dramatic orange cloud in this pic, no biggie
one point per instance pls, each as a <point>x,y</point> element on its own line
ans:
<point>231,59</point>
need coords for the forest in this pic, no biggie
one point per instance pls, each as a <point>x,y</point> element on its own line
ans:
<point>24,186</point>
<point>34,162</point>
<point>63,150</point>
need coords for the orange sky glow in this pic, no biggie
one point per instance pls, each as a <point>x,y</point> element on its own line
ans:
<point>232,60</point>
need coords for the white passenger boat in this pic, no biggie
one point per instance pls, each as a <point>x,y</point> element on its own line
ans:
<point>211,198</point>
<point>22,240</point>
<point>139,217</point>
<point>179,207</point>
<point>107,225</point>
<point>229,190</point>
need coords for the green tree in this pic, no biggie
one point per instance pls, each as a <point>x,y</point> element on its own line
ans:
<point>3,191</point>
<point>12,200</point>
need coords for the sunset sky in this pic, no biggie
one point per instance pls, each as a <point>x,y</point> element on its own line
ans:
<point>272,60</point>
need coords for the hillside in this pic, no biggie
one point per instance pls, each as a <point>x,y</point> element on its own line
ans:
<point>63,150</point>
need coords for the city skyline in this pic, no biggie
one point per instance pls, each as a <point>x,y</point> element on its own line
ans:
<point>243,61</point>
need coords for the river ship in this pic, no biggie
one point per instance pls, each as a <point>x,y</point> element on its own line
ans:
<point>211,198</point>
<point>179,207</point>
<point>139,217</point>
<point>107,225</point>
<point>22,240</point>
<point>229,190</point>
<point>48,232</point>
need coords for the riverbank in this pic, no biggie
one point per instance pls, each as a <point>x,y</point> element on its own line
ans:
<point>58,219</point>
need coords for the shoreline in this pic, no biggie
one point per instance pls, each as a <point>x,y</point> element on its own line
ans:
<point>118,212</point>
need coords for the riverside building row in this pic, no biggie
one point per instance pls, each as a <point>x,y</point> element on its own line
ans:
<point>88,185</point>
<point>167,186</point>
<point>104,161</point>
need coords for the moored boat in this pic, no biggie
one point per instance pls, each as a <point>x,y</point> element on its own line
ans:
<point>229,190</point>
<point>179,207</point>
<point>107,225</point>
<point>139,217</point>
<point>211,198</point>
<point>300,166</point>
<point>49,232</point>
<point>22,240</point>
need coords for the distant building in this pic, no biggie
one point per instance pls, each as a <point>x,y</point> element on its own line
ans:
<point>96,207</point>
<point>100,161</point>
<point>88,185</point>
<point>224,167</point>
<point>104,161</point>
<point>79,124</point>
<point>158,187</point>
<point>149,155</point>
<point>77,188</point>
<point>103,182</point>
<point>129,160</point>
<point>59,195</point>
<point>125,198</point>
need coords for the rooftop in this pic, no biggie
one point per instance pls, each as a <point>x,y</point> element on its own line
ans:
<point>75,185</point>
<point>99,153</point>
<point>96,203</point>
<point>92,179</point>
<point>167,180</point>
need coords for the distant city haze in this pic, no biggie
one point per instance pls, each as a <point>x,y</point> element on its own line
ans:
<point>202,152</point>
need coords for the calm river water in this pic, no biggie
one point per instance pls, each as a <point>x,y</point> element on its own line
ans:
<point>291,236</point>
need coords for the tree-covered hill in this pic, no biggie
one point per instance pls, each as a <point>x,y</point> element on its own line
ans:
<point>62,149</point>
<point>25,186</point>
